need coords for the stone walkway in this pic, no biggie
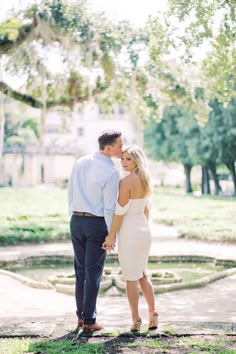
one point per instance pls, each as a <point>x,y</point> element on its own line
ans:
<point>215,302</point>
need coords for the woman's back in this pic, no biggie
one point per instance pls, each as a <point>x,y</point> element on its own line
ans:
<point>136,190</point>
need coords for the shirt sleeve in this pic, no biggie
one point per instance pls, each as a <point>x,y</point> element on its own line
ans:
<point>110,191</point>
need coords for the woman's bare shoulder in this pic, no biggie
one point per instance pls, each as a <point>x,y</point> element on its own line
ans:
<point>124,191</point>
<point>127,180</point>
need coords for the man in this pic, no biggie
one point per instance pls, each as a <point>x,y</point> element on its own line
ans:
<point>92,197</point>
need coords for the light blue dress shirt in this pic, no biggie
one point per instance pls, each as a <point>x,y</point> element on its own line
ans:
<point>93,186</point>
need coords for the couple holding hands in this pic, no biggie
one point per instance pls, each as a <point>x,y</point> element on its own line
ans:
<point>98,215</point>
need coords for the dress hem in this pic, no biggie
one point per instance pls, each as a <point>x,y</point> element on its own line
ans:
<point>144,273</point>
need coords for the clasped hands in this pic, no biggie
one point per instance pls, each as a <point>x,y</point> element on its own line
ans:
<point>109,244</point>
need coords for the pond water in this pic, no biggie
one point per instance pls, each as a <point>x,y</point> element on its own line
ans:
<point>188,271</point>
<point>41,273</point>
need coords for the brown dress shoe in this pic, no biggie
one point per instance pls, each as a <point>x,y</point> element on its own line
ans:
<point>88,328</point>
<point>79,326</point>
<point>80,323</point>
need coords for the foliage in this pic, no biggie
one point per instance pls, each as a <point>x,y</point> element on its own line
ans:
<point>175,139</point>
<point>86,46</point>
<point>9,30</point>
<point>19,129</point>
<point>23,137</point>
<point>211,24</point>
<point>92,50</point>
<point>154,72</point>
<point>178,137</point>
<point>96,57</point>
<point>222,123</point>
<point>84,42</point>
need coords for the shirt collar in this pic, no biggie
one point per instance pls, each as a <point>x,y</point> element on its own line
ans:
<point>103,157</point>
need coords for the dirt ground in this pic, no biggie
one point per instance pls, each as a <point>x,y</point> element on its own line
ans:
<point>181,345</point>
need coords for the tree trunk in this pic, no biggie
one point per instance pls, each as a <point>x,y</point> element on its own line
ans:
<point>188,186</point>
<point>2,125</point>
<point>205,181</point>
<point>231,166</point>
<point>44,108</point>
<point>136,121</point>
<point>212,168</point>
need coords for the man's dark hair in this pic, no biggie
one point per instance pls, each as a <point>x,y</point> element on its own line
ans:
<point>108,137</point>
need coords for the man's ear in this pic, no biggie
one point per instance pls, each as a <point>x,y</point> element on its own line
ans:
<point>108,148</point>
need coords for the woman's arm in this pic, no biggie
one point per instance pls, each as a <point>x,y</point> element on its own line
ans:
<point>123,199</point>
<point>146,212</point>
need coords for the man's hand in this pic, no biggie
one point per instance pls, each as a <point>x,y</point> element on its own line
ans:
<point>109,244</point>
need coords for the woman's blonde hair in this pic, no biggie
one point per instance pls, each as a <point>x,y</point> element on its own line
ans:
<point>141,169</point>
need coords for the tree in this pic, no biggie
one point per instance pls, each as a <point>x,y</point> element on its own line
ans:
<point>85,45</point>
<point>222,125</point>
<point>178,137</point>
<point>80,40</point>
<point>20,131</point>
<point>169,140</point>
<point>212,25</point>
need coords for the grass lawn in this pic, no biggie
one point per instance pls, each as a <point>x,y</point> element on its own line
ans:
<point>40,215</point>
<point>115,345</point>
<point>206,218</point>
<point>33,215</point>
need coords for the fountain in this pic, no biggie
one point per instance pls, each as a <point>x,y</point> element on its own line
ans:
<point>168,273</point>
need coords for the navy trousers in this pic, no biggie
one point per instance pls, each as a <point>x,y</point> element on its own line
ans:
<point>87,235</point>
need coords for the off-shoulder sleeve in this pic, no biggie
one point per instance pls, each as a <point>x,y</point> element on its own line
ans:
<point>121,210</point>
<point>148,204</point>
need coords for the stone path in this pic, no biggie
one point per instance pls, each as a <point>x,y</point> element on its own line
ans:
<point>215,302</point>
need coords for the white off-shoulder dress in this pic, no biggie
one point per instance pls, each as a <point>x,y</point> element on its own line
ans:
<point>134,238</point>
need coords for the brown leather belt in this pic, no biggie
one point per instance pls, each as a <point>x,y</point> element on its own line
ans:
<point>83,213</point>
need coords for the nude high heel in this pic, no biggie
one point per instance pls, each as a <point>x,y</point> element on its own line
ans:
<point>153,323</point>
<point>136,326</point>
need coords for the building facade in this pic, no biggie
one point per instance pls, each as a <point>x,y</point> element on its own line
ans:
<point>67,137</point>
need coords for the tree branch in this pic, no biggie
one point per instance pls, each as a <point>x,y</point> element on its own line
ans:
<point>7,45</point>
<point>27,99</point>
<point>35,103</point>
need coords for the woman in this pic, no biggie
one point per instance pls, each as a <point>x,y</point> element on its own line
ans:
<point>134,237</point>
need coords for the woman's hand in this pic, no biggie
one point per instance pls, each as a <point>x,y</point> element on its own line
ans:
<point>109,243</point>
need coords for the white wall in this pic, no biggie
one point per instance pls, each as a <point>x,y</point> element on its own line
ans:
<point>57,168</point>
<point>88,120</point>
